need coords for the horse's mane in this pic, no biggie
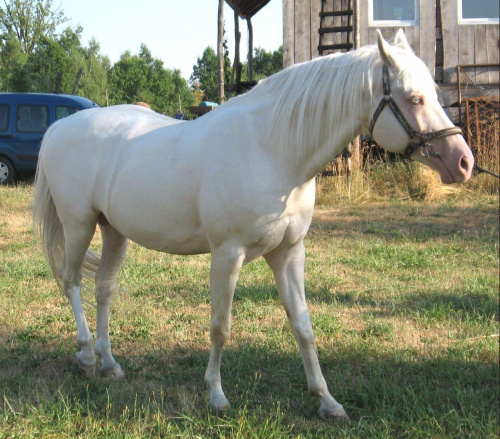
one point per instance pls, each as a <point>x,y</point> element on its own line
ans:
<point>333,86</point>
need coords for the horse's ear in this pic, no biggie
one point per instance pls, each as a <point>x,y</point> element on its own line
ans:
<point>401,41</point>
<point>385,49</point>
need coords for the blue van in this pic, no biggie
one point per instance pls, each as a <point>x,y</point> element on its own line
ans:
<point>24,118</point>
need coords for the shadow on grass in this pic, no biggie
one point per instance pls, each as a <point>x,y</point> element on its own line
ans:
<point>397,388</point>
<point>420,223</point>
<point>471,305</point>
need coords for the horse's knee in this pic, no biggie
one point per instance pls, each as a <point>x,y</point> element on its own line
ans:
<point>105,288</point>
<point>303,332</point>
<point>220,330</point>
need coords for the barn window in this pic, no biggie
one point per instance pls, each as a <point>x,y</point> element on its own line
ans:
<point>393,12</point>
<point>478,11</point>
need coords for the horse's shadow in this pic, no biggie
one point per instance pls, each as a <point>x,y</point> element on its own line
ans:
<point>169,381</point>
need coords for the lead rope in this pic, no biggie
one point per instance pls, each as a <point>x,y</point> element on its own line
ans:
<point>482,170</point>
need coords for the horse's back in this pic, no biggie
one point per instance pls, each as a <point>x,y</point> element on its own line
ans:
<point>97,140</point>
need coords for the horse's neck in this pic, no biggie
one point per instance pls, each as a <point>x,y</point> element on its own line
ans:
<point>319,120</point>
<point>315,158</point>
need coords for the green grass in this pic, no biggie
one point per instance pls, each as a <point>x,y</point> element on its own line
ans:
<point>403,298</point>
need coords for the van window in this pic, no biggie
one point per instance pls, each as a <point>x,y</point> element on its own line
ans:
<point>4,117</point>
<point>32,118</point>
<point>64,111</point>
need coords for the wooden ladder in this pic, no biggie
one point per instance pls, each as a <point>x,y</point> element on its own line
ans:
<point>335,26</point>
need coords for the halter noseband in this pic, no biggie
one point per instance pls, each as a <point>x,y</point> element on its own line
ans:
<point>417,140</point>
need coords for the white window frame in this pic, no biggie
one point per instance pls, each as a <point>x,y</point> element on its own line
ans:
<point>462,20</point>
<point>394,23</point>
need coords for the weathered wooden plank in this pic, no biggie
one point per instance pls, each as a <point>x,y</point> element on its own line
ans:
<point>492,50</point>
<point>480,54</point>
<point>288,32</point>
<point>413,36</point>
<point>302,30</point>
<point>346,36</point>
<point>427,37</point>
<point>336,38</point>
<point>220,51</point>
<point>328,21</point>
<point>315,20</point>
<point>466,49</point>
<point>449,16</point>
<point>448,93</point>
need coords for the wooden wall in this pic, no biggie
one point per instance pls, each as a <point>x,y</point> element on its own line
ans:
<point>461,44</point>
<point>468,44</point>
<point>300,30</point>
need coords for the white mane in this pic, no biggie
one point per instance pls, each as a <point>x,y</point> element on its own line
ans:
<point>312,99</point>
<point>315,97</point>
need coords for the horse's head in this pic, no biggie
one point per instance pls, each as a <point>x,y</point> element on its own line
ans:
<point>408,119</point>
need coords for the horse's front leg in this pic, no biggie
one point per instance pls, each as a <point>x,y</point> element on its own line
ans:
<point>226,264</point>
<point>288,268</point>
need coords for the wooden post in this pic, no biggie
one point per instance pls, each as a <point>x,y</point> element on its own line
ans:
<point>236,65</point>
<point>250,49</point>
<point>220,51</point>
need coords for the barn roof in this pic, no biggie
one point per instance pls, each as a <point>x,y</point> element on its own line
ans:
<point>247,8</point>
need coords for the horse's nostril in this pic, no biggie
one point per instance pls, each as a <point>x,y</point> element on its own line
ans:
<point>464,164</point>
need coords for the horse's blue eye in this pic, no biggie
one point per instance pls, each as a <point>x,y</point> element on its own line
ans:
<point>416,100</point>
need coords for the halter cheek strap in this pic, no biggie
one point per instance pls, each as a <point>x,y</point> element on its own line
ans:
<point>417,139</point>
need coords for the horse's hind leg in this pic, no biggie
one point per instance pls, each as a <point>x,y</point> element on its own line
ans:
<point>76,242</point>
<point>113,253</point>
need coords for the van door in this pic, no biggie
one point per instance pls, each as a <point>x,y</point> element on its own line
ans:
<point>4,121</point>
<point>31,122</point>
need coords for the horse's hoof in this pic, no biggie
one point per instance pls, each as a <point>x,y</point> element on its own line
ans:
<point>114,372</point>
<point>335,415</point>
<point>86,370</point>
<point>219,403</point>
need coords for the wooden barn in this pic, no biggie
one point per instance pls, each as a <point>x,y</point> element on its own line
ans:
<point>457,39</point>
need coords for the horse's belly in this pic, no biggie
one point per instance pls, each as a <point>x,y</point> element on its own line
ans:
<point>174,240</point>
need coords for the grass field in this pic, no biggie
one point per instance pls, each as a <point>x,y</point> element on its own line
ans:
<point>404,302</point>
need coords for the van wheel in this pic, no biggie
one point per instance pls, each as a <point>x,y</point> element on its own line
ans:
<point>7,171</point>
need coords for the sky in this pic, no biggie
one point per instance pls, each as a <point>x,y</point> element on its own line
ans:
<point>175,31</point>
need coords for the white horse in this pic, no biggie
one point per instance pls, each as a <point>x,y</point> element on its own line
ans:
<point>238,183</point>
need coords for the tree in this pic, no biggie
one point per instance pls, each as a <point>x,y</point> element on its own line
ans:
<point>13,75</point>
<point>205,74</point>
<point>267,63</point>
<point>29,21</point>
<point>33,58</point>
<point>143,78</point>
<point>62,59</point>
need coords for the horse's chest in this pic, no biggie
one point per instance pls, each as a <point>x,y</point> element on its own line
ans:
<point>284,232</point>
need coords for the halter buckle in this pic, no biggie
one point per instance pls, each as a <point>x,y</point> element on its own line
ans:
<point>427,151</point>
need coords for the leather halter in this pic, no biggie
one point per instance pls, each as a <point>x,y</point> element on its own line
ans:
<point>417,139</point>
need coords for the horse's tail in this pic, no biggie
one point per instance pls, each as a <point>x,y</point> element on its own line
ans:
<point>48,226</point>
